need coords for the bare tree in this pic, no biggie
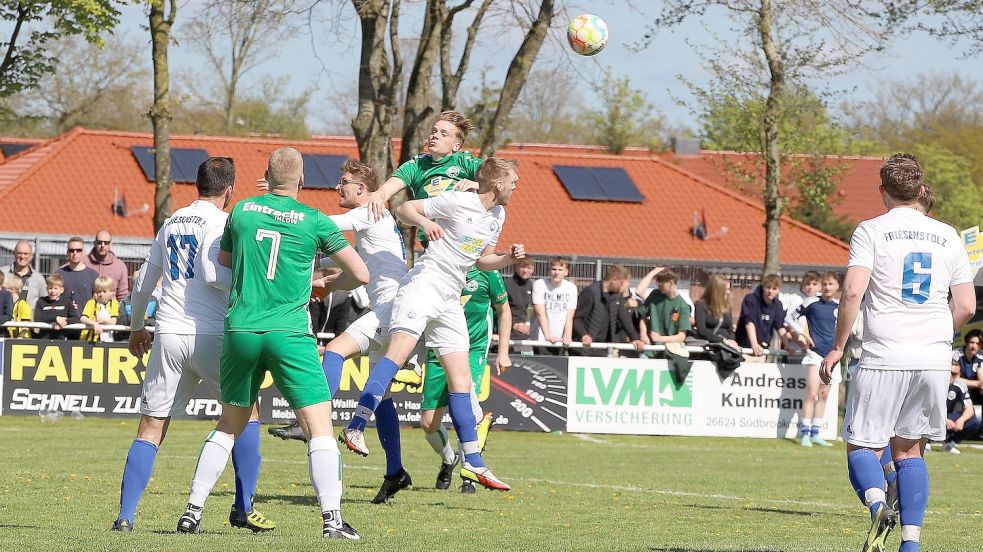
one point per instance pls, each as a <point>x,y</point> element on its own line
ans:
<point>236,36</point>
<point>783,42</point>
<point>161,20</point>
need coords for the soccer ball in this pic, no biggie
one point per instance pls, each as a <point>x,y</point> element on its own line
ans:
<point>587,34</point>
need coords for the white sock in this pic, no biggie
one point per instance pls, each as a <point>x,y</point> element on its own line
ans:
<point>476,406</point>
<point>325,466</point>
<point>806,423</point>
<point>211,463</point>
<point>440,443</point>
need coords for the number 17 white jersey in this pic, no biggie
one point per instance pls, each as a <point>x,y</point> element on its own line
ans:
<point>914,260</point>
<point>185,253</point>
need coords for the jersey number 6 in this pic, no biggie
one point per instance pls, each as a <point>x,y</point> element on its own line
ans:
<point>916,282</point>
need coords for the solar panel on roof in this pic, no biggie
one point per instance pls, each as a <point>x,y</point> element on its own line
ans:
<point>579,183</point>
<point>13,148</point>
<point>617,185</point>
<point>322,171</point>
<point>184,162</point>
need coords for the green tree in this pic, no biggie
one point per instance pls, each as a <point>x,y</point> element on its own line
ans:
<point>626,119</point>
<point>33,25</point>
<point>950,178</point>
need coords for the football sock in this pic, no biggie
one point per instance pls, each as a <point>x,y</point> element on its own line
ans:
<point>136,476</point>
<point>816,425</point>
<point>387,424</point>
<point>379,379</point>
<point>325,467</point>
<point>332,365</point>
<point>211,463</point>
<point>804,426</point>
<point>440,442</point>
<point>909,546</point>
<point>912,497</point>
<point>866,476</point>
<point>465,424</point>
<point>887,464</point>
<point>245,462</point>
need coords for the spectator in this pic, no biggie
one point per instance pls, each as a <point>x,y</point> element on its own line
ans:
<point>962,422</point>
<point>102,259</point>
<point>820,313</point>
<point>714,321</point>
<point>126,309</point>
<point>6,303</point>
<point>519,288</point>
<point>625,308</point>
<point>762,314</point>
<point>969,361</point>
<point>795,322</point>
<point>20,310</point>
<point>78,278</point>
<point>103,308</point>
<point>55,309</point>
<point>554,301</point>
<point>23,266</point>
<point>665,314</point>
<point>601,310</point>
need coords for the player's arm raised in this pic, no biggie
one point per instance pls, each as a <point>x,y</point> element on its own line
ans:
<point>411,213</point>
<point>378,198</point>
<point>493,261</point>
<point>854,287</point>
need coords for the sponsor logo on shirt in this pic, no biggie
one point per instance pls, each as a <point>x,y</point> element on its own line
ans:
<point>438,185</point>
<point>291,216</point>
<point>471,245</point>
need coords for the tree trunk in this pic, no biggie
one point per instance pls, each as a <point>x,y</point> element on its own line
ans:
<point>516,77</point>
<point>372,124</point>
<point>160,34</point>
<point>417,109</point>
<point>450,80</point>
<point>772,148</point>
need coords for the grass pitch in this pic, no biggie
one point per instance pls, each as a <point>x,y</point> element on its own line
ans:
<point>59,490</point>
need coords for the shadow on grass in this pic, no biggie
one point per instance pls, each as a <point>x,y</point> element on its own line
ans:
<point>674,549</point>
<point>9,526</point>
<point>782,511</point>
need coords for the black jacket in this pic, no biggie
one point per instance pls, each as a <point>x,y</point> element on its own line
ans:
<point>603,316</point>
<point>46,310</point>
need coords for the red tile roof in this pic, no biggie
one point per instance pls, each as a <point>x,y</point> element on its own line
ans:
<point>69,190</point>
<point>857,198</point>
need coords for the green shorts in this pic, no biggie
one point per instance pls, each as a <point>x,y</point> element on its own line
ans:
<point>435,379</point>
<point>290,357</point>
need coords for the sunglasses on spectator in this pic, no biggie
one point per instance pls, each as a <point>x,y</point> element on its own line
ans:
<point>103,242</point>
<point>72,250</point>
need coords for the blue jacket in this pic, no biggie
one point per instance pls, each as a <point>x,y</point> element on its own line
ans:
<point>766,318</point>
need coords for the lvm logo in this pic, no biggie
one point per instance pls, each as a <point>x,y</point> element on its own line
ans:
<point>630,387</point>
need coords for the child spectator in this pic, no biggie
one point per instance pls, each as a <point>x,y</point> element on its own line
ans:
<point>55,309</point>
<point>665,314</point>
<point>762,314</point>
<point>962,422</point>
<point>103,308</point>
<point>554,302</point>
<point>20,311</point>
<point>794,321</point>
<point>820,313</point>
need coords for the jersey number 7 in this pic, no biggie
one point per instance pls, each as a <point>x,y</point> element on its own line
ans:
<point>274,236</point>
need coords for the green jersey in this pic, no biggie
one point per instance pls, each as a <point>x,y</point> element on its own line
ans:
<point>428,178</point>
<point>274,240</point>
<point>482,289</point>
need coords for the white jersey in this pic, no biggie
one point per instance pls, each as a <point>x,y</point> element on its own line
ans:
<point>468,229</point>
<point>557,300</point>
<point>914,260</point>
<point>380,245</point>
<point>185,253</point>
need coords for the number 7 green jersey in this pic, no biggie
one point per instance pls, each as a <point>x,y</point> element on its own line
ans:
<point>274,240</point>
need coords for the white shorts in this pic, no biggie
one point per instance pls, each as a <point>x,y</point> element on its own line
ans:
<point>177,364</point>
<point>371,330</point>
<point>423,310</point>
<point>813,358</point>
<point>883,404</point>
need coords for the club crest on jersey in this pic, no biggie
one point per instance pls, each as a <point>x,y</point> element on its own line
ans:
<point>454,171</point>
<point>471,285</point>
<point>952,395</point>
<point>493,226</point>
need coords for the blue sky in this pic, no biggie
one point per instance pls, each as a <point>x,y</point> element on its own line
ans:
<point>653,70</point>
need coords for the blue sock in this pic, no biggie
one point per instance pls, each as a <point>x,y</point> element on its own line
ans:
<point>889,473</point>
<point>379,379</point>
<point>908,546</point>
<point>245,461</point>
<point>912,491</point>
<point>814,432</point>
<point>804,430</point>
<point>136,476</point>
<point>866,474</point>
<point>332,365</point>
<point>387,424</point>
<point>466,427</point>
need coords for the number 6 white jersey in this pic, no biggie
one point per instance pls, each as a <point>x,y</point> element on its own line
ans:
<point>185,253</point>
<point>914,260</point>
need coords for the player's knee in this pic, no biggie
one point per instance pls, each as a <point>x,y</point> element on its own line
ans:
<point>152,429</point>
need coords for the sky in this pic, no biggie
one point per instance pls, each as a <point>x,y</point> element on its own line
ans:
<point>326,64</point>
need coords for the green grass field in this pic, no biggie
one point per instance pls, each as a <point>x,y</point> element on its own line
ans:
<point>59,490</point>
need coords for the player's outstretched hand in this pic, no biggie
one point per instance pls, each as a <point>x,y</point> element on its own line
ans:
<point>828,364</point>
<point>140,342</point>
<point>517,251</point>
<point>432,230</point>
<point>376,205</point>
<point>262,186</point>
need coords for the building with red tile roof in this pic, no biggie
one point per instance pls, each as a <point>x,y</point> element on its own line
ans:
<point>68,186</point>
